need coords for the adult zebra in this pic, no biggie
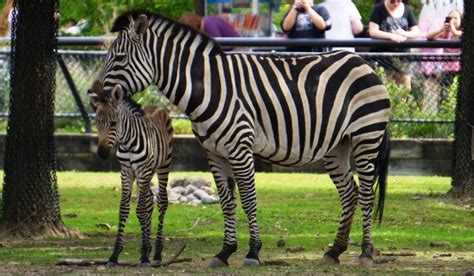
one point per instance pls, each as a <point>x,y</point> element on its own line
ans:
<point>287,110</point>
<point>144,138</point>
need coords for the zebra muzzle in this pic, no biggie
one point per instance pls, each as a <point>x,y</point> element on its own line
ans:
<point>103,152</point>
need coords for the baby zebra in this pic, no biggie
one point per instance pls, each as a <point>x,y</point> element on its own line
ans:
<point>144,147</point>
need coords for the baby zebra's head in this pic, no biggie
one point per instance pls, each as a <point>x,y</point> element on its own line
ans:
<point>107,117</point>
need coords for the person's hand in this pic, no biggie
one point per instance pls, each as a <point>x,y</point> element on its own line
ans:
<point>305,4</point>
<point>297,4</point>
<point>447,26</point>
<point>401,32</point>
<point>397,38</point>
<point>451,26</point>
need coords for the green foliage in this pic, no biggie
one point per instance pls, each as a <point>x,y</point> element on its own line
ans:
<point>407,104</point>
<point>100,14</point>
<point>182,126</point>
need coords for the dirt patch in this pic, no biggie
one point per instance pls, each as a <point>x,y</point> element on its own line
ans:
<point>458,263</point>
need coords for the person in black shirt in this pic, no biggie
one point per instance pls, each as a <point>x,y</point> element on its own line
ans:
<point>305,20</point>
<point>395,21</point>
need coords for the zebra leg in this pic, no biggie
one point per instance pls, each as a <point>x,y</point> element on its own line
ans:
<point>127,178</point>
<point>144,213</point>
<point>162,203</point>
<point>223,177</point>
<point>365,154</point>
<point>337,163</point>
<point>244,172</point>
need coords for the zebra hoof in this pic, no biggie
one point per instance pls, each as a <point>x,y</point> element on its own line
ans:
<point>251,262</point>
<point>328,260</point>
<point>112,264</point>
<point>366,261</point>
<point>155,263</point>
<point>216,262</point>
<point>145,265</point>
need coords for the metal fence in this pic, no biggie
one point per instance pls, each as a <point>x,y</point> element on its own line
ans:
<point>422,85</point>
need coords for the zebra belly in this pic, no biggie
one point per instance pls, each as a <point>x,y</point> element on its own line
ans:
<point>266,149</point>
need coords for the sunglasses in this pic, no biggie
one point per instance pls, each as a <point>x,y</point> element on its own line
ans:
<point>395,1</point>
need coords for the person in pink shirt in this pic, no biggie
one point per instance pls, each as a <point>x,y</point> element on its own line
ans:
<point>451,29</point>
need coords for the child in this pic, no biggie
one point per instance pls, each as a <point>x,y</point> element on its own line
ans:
<point>451,29</point>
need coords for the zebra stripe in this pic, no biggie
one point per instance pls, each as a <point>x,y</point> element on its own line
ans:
<point>144,147</point>
<point>287,110</point>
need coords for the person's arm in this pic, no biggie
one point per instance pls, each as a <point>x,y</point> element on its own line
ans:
<point>456,32</point>
<point>357,26</point>
<point>435,33</point>
<point>412,33</point>
<point>318,20</point>
<point>289,20</point>
<point>375,32</point>
<point>355,18</point>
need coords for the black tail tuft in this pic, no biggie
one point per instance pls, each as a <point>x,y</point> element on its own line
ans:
<point>381,172</point>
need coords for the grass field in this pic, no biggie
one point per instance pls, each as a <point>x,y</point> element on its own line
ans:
<point>422,231</point>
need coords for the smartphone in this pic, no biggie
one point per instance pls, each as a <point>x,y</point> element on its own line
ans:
<point>448,19</point>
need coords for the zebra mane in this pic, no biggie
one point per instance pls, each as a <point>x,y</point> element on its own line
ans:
<point>133,107</point>
<point>123,21</point>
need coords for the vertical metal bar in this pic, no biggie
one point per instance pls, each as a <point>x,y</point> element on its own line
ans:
<point>75,93</point>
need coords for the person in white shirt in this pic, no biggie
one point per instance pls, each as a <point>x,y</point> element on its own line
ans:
<point>346,21</point>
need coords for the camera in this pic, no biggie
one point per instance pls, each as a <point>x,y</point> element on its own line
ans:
<point>448,19</point>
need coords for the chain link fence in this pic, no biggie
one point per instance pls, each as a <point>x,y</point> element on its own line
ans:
<point>422,89</point>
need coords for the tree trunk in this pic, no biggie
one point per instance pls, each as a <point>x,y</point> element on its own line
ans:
<point>463,159</point>
<point>30,194</point>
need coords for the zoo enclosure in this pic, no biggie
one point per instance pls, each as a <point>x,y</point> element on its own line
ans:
<point>430,101</point>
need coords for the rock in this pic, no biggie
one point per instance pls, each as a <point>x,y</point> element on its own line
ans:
<point>177,190</point>
<point>205,197</point>
<point>179,182</point>
<point>183,199</point>
<point>208,190</point>
<point>189,189</point>
<point>192,197</point>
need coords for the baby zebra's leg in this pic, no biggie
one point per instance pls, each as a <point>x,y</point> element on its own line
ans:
<point>144,213</point>
<point>162,204</point>
<point>127,178</point>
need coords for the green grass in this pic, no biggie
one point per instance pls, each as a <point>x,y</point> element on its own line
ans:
<point>302,209</point>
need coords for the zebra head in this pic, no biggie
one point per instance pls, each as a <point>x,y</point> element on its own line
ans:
<point>128,62</point>
<point>107,118</point>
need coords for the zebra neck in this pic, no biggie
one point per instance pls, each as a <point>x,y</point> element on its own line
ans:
<point>184,60</point>
<point>127,127</point>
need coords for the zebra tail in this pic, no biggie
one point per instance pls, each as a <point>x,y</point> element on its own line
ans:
<point>381,172</point>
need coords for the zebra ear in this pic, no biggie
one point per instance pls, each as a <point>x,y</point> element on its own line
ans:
<point>117,94</point>
<point>141,24</point>
<point>94,99</point>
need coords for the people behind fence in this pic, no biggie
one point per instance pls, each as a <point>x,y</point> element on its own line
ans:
<point>306,20</point>
<point>395,21</point>
<point>346,21</point>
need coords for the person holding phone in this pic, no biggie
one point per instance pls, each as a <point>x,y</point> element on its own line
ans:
<point>451,28</point>
<point>306,20</point>
<point>442,73</point>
